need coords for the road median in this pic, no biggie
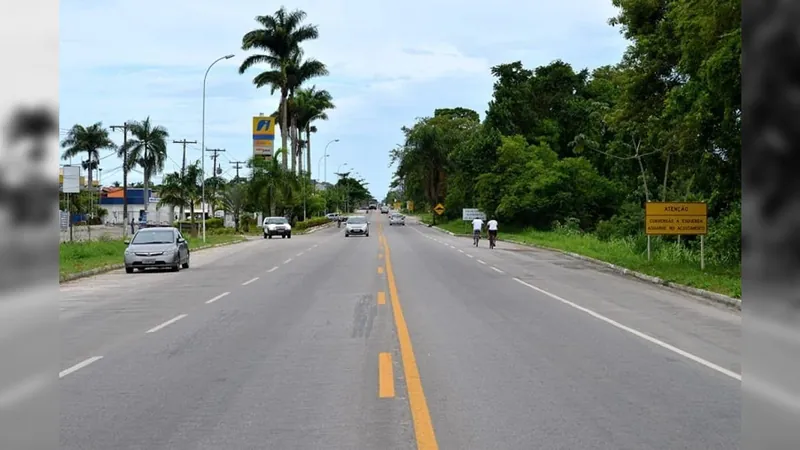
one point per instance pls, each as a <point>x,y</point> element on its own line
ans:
<point>667,267</point>
<point>88,258</point>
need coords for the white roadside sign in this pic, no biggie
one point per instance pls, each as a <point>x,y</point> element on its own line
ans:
<point>470,214</point>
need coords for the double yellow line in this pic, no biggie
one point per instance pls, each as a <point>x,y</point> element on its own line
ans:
<point>420,415</point>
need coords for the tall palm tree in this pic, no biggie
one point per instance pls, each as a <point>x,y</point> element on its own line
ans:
<point>182,190</point>
<point>234,200</point>
<point>270,184</point>
<point>299,72</point>
<point>146,148</point>
<point>312,105</point>
<point>279,37</point>
<point>89,141</point>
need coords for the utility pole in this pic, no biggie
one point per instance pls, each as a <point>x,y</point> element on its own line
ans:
<point>124,128</point>
<point>184,142</point>
<point>237,165</point>
<point>183,167</point>
<point>216,152</point>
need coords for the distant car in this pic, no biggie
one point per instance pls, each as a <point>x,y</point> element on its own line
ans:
<point>356,225</point>
<point>277,226</point>
<point>157,247</point>
<point>397,219</point>
<point>373,206</point>
<point>332,216</point>
<point>384,209</point>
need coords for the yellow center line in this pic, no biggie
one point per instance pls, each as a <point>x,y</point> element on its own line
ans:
<point>423,426</point>
<point>381,298</point>
<point>385,376</point>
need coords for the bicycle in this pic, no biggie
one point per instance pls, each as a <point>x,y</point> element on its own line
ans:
<point>476,237</point>
<point>492,240</point>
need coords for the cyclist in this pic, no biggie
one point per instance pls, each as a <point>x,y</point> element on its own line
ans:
<point>477,226</point>
<point>492,227</point>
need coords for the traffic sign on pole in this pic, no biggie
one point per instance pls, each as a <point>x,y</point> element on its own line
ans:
<point>439,209</point>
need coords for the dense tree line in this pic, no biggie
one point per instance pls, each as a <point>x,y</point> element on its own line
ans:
<point>560,145</point>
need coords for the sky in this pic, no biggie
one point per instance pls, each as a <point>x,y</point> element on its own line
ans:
<point>389,64</point>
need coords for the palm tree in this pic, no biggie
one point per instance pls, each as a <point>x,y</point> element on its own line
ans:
<point>89,140</point>
<point>299,72</point>
<point>147,148</point>
<point>279,37</point>
<point>311,106</point>
<point>234,200</point>
<point>270,183</point>
<point>182,190</point>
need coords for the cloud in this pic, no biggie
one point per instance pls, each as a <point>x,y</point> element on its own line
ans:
<point>389,63</point>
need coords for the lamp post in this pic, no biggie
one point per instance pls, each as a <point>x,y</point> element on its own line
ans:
<point>203,145</point>
<point>326,159</point>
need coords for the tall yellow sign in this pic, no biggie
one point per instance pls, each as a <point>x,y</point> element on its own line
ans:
<point>263,136</point>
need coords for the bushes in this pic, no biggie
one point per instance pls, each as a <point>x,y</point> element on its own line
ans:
<point>310,223</point>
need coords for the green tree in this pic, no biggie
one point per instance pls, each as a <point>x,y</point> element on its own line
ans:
<point>234,200</point>
<point>146,148</point>
<point>279,37</point>
<point>88,140</point>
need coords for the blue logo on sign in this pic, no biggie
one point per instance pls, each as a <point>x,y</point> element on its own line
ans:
<point>262,124</point>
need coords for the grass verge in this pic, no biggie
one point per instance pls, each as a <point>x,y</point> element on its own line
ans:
<point>77,257</point>
<point>668,261</point>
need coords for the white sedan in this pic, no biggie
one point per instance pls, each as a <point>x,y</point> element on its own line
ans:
<point>397,219</point>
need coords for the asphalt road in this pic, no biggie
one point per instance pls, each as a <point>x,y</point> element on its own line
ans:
<point>327,342</point>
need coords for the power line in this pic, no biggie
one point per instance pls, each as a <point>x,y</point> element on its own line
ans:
<point>237,165</point>
<point>183,166</point>
<point>216,152</point>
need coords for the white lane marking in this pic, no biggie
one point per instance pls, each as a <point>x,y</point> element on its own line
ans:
<point>470,255</point>
<point>496,269</point>
<point>461,251</point>
<point>249,281</point>
<point>480,261</point>
<point>299,254</point>
<point>288,261</point>
<point>315,246</point>
<point>452,246</point>
<point>637,333</point>
<point>273,269</point>
<point>167,323</point>
<point>79,366</point>
<point>217,297</point>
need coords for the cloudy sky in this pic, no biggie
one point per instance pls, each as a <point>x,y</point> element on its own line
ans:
<point>389,63</point>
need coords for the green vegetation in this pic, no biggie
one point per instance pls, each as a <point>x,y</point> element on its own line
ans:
<point>76,257</point>
<point>567,158</point>
<point>276,186</point>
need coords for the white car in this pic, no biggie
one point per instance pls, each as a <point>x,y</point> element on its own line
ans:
<point>356,225</point>
<point>397,219</point>
<point>277,226</point>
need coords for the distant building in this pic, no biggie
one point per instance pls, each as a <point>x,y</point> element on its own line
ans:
<point>111,200</point>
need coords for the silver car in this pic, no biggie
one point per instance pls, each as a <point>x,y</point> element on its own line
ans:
<point>157,247</point>
<point>356,225</point>
<point>397,219</point>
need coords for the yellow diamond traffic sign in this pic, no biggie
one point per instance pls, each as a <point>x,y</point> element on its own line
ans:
<point>439,209</point>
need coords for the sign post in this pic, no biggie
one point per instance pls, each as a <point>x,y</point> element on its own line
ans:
<point>677,219</point>
<point>263,137</point>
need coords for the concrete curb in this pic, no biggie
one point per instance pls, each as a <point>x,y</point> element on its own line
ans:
<point>730,302</point>
<point>109,268</point>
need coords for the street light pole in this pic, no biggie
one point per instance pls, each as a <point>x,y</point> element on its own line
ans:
<point>203,145</point>
<point>326,159</point>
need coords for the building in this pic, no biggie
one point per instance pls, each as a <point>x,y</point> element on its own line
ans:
<point>111,200</point>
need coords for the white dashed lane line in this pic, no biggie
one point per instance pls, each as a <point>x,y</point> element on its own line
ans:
<point>496,269</point>
<point>470,255</point>
<point>249,281</point>
<point>288,261</point>
<point>480,261</point>
<point>217,297</point>
<point>79,366</point>
<point>273,269</point>
<point>167,323</point>
<point>299,254</point>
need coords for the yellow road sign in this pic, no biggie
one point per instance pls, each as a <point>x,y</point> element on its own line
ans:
<point>439,209</point>
<point>670,218</point>
<point>397,206</point>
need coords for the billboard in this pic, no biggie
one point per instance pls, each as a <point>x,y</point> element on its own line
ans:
<point>263,136</point>
<point>71,176</point>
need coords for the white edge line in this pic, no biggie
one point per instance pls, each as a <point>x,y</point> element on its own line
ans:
<point>288,261</point>
<point>79,366</point>
<point>480,261</point>
<point>637,333</point>
<point>496,269</point>
<point>217,297</point>
<point>273,269</point>
<point>249,281</point>
<point>167,323</point>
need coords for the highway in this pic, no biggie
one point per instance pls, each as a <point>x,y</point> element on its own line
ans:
<point>409,338</point>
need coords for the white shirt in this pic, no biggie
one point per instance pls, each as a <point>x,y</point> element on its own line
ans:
<point>477,225</point>
<point>492,224</point>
